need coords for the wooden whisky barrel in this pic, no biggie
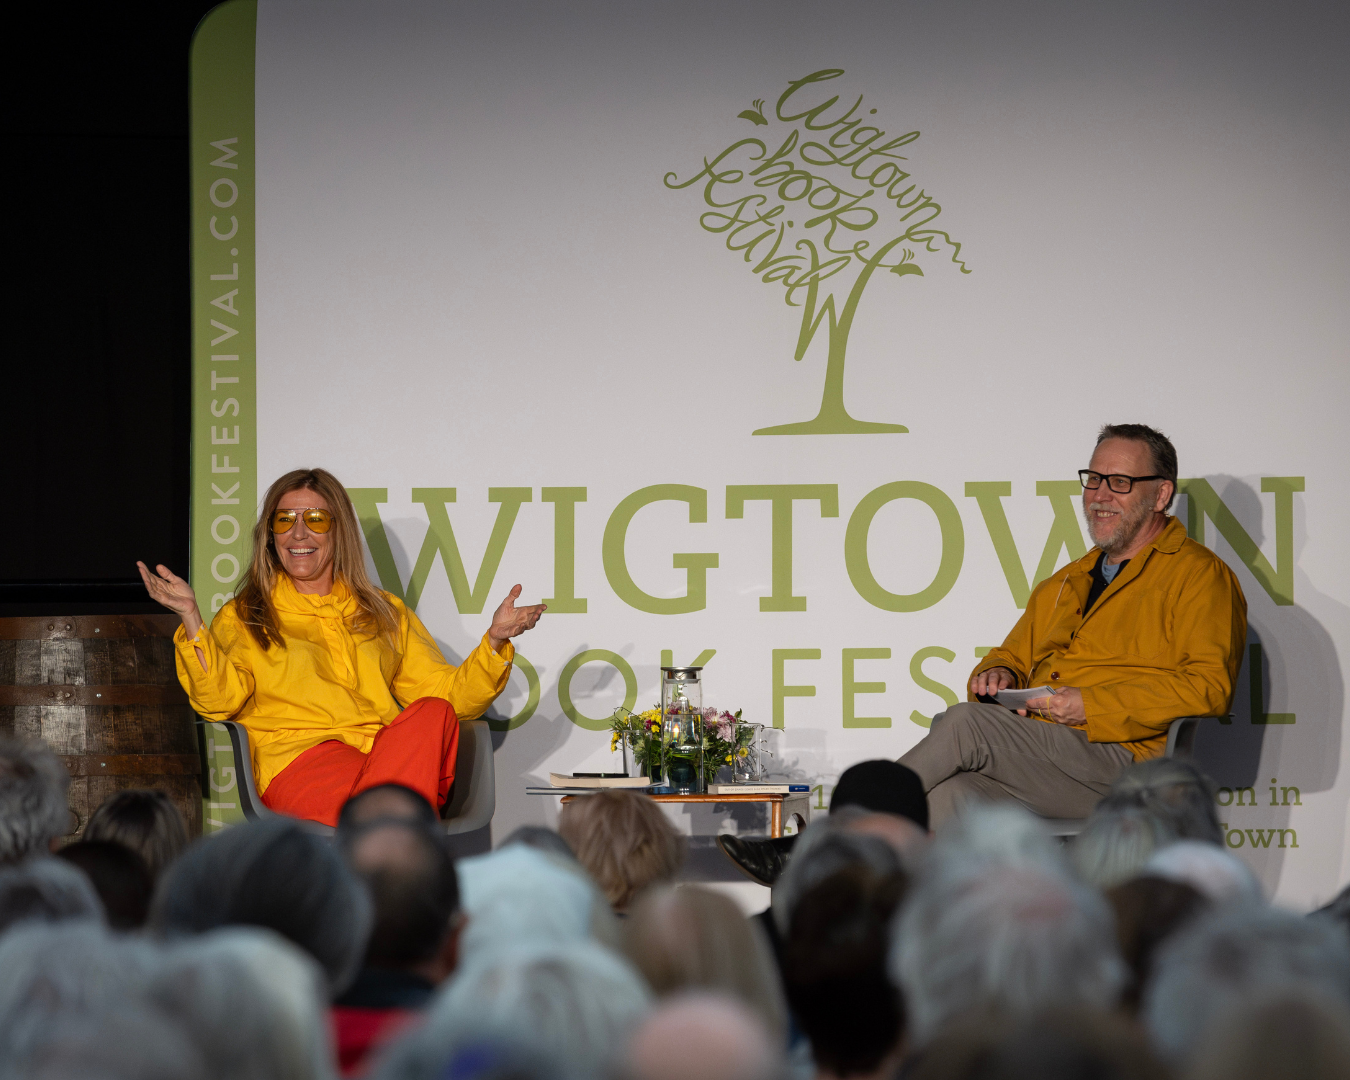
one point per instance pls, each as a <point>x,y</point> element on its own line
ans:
<point>102,691</point>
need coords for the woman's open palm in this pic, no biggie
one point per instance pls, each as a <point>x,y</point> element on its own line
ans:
<point>167,588</point>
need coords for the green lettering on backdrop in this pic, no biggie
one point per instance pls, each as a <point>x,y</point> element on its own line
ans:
<point>855,546</point>
<point>925,683</point>
<point>696,565</point>
<point>838,185</point>
<point>1064,530</point>
<point>1256,684</point>
<point>224,312</point>
<point>441,538</point>
<point>852,687</point>
<point>781,497</point>
<point>510,723</point>
<point>782,691</point>
<point>701,660</point>
<point>224,490</point>
<point>630,687</point>
<point>1203,502</point>
<point>564,600</point>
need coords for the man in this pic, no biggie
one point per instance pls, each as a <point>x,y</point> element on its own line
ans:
<point>1146,627</point>
<point>33,810</point>
<point>414,944</point>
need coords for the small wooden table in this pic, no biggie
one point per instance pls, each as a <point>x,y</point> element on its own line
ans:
<point>782,806</point>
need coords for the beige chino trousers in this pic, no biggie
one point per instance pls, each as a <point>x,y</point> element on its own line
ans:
<point>986,753</point>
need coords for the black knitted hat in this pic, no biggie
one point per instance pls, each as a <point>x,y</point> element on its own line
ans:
<point>884,786</point>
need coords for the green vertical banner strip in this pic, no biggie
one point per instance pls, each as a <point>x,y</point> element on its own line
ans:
<point>224,308</point>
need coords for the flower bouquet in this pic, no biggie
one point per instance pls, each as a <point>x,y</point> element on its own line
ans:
<point>728,742</point>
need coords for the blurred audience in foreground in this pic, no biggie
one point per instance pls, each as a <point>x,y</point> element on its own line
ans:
<point>1143,950</point>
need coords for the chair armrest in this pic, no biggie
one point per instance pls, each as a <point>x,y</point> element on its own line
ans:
<point>473,799</point>
<point>1181,734</point>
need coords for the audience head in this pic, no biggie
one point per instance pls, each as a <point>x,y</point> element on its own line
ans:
<point>385,801</point>
<point>834,969</point>
<point>520,896</point>
<point>1066,1044</point>
<point>541,839</point>
<point>33,789</point>
<point>885,787</point>
<point>1338,910</point>
<point>1175,792</point>
<point>573,1005</point>
<point>1148,911</point>
<point>1219,875</point>
<point>723,1037</point>
<point>1239,953</point>
<point>145,821</point>
<point>823,850</point>
<point>624,841</point>
<point>684,939</point>
<point>274,874</point>
<point>126,1041</point>
<point>46,890</point>
<point>415,891</point>
<point>1119,838</point>
<point>250,1000</point>
<point>1298,1033</point>
<point>119,876</point>
<point>70,972</point>
<point>996,925</point>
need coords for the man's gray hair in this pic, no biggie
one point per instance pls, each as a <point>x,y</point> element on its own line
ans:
<point>1217,874</point>
<point>1176,793</point>
<point>1239,953</point>
<point>33,788</point>
<point>251,1001</point>
<point>998,926</point>
<point>574,1004</point>
<point>52,973</point>
<point>1116,842</point>
<point>48,890</point>
<point>822,851</point>
<point>125,1042</point>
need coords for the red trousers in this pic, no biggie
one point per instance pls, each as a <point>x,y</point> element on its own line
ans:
<point>417,750</point>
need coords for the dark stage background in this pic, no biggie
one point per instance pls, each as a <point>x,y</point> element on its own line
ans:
<point>95,411</point>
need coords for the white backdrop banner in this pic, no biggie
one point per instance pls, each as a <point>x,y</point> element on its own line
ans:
<point>770,336</point>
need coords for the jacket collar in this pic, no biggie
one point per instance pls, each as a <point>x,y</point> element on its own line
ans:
<point>1167,542</point>
<point>338,604</point>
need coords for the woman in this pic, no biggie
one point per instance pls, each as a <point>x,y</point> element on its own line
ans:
<point>340,686</point>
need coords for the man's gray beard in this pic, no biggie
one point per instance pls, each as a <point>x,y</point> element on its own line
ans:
<point>1129,526</point>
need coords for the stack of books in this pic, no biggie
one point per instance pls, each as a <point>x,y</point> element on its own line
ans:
<point>767,787</point>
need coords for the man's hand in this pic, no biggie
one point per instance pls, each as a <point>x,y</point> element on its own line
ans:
<point>509,621</point>
<point>1065,707</point>
<point>990,681</point>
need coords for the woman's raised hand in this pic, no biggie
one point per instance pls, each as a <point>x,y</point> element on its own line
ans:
<point>167,588</point>
<point>509,620</point>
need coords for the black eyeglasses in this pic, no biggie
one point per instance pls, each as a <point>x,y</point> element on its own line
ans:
<point>1117,482</point>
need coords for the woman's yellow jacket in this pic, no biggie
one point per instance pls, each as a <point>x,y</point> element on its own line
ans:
<point>1164,640</point>
<point>328,681</point>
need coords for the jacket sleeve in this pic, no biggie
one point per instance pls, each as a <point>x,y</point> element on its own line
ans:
<point>1018,651</point>
<point>424,672</point>
<point>221,689</point>
<point>1209,630</point>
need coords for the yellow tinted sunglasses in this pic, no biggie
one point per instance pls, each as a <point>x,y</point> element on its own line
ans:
<point>316,520</point>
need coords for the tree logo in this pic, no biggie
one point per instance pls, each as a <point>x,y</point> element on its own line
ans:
<point>841,177</point>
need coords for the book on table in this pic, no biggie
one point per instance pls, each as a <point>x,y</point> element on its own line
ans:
<point>597,780</point>
<point>759,789</point>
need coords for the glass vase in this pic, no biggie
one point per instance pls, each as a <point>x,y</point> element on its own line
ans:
<point>682,729</point>
<point>748,766</point>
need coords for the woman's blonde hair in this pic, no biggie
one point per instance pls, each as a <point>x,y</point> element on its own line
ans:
<point>623,840</point>
<point>253,602</point>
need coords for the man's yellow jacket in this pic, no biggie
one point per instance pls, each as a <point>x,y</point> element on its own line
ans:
<point>1163,640</point>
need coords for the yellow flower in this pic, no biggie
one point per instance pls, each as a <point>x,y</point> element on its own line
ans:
<point>728,759</point>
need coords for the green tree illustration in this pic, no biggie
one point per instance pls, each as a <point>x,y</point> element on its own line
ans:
<point>842,177</point>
